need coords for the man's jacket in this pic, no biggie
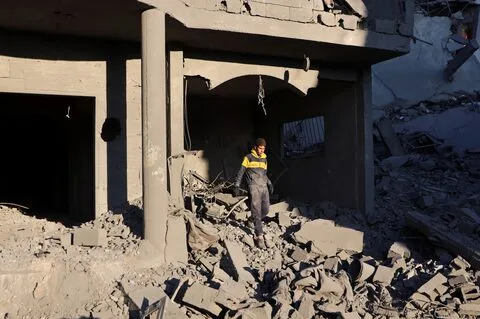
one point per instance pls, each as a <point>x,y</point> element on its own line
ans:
<point>254,168</point>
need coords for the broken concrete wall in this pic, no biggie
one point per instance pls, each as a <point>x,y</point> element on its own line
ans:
<point>347,14</point>
<point>223,129</point>
<point>418,76</point>
<point>335,174</point>
<point>110,73</point>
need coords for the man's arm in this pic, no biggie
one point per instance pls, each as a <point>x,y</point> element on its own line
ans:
<point>241,172</point>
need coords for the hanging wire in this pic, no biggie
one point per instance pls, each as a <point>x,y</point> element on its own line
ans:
<point>188,140</point>
<point>261,94</point>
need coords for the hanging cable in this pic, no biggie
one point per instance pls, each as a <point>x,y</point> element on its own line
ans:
<point>187,138</point>
<point>261,94</point>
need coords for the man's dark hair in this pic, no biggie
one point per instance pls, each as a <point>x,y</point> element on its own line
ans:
<point>260,142</point>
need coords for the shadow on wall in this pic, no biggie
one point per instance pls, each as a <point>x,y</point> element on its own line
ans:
<point>115,56</point>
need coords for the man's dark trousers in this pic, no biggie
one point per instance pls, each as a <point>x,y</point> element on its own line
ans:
<point>259,205</point>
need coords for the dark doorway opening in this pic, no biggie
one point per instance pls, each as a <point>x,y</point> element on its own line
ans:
<point>47,161</point>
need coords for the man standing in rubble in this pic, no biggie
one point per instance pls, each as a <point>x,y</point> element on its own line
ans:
<point>254,167</point>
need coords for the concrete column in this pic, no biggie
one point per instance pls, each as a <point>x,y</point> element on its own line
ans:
<point>176,102</point>
<point>176,117</point>
<point>154,125</point>
<point>367,136</point>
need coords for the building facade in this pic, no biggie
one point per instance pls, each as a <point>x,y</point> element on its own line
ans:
<point>99,96</point>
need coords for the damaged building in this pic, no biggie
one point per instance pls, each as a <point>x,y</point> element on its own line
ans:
<point>103,101</point>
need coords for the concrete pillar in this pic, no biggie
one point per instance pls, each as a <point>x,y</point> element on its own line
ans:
<point>365,88</point>
<point>154,125</point>
<point>176,117</point>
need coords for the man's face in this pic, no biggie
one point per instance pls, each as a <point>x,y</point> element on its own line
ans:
<point>260,149</point>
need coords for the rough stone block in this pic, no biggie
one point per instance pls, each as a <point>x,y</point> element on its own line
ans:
<point>425,202</point>
<point>234,289</point>
<point>327,18</point>
<point>277,12</point>
<point>4,68</point>
<point>469,309</point>
<point>213,5</point>
<point>460,263</point>
<point>350,315</point>
<point>306,308</point>
<point>385,26</point>
<point>332,264</point>
<point>302,14</point>
<point>257,8</point>
<point>202,297</point>
<point>239,261</point>
<point>278,207</point>
<point>348,22</point>
<point>323,248</point>
<point>90,237</point>
<point>299,254</point>
<point>318,5</point>
<point>359,7</point>
<point>433,283</point>
<point>470,292</point>
<point>457,281</point>
<point>284,219</point>
<point>176,241</point>
<point>234,6</point>
<point>144,297</point>
<point>66,240</point>
<point>383,274</point>
<point>319,231</point>
<point>399,249</point>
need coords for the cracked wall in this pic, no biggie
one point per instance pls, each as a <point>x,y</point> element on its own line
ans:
<point>386,17</point>
<point>418,76</point>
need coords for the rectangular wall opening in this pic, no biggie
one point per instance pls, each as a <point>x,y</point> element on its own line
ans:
<point>47,161</point>
<point>303,138</point>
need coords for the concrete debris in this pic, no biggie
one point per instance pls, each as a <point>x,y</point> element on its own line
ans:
<point>277,208</point>
<point>176,241</point>
<point>239,261</point>
<point>203,298</point>
<point>322,261</point>
<point>90,237</point>
<point>324,231</point>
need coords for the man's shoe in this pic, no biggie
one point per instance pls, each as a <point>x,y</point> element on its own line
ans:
<point>260,242</point>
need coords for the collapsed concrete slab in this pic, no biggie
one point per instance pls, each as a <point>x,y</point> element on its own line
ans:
<point>202,298</point>
<point>176,241</point>
<point>323,231</point>
<point>239,261</point>
<point>455,242</point>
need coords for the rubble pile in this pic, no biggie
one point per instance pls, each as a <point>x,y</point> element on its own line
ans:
<point>416,256</point>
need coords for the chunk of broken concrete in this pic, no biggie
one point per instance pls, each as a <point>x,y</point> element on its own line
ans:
<point>395,162</point>
<point>429,287</point>
<point>399,249</point>
<point>144,297</point>
<point>424,202</point>
<point>384,275</point>
<point>239,261</point>
<point>332,264</point>
<point>299,254</point>
<point>278,207</point>
<point>203,298</point>
<point>90,237</point>
<point>176,250</point>
<point>323,248</point>
<point>323,231</point>
<point>469,309</point>
<point>283,219</point>
<point>306,308</point>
